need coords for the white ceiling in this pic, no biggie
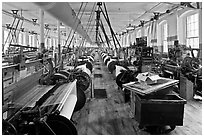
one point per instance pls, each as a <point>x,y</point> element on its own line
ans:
<point>120,13</point>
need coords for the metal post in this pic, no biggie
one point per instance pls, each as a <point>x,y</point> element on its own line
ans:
<point>42,40</point>
<point>59,44</point>
<point>3,44</point>
<point>35,40</point>
<point>26,38</point>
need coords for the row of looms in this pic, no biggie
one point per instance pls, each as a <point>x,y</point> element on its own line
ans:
<point>73,68</point>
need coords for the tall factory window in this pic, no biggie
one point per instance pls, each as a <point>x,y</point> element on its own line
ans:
<point>192,31</point>
<point>30,40</point>
<point>165,35</point>
<point>20,39</point>
<point>139,34</point>
<point>24,39</point>
<point>5,38</point>
<point>147,35</point>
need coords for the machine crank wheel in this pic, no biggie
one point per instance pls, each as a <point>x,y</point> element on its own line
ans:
<point>48,67</point>
<point>8,128</point>
<point>106,61</point>
<point>89,65</point>
<point>111,66</point>
<point>187,62</point>
<point>123,78</point>
<point>59,125</point>
<point>83,80</point>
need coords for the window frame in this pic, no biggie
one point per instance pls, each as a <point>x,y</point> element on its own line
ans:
<point>164,39</point>
<point>188,38</point>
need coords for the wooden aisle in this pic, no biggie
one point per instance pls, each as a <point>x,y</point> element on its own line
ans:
<point>111,116</point>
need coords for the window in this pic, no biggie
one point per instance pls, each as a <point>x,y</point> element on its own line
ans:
<point>24,39</point>
<point>139,34</point>
<point>165,34</point>
<point>192,31</point>
<point>6,41</point>
<point>20,39</point>
<point>147,34</point>
<point>30,40</point>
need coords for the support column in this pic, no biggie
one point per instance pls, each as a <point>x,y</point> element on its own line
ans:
<point>35,41</point>
<point>59,44</point>
<point>27,38</point>
<point>130,41</point>
<point>3,39</point>
<point>200,32</point>
<point>142,32</point>
<point>42,41</point>
<point>125,36</point>
<point>67,42</point>
<point>122,40</point>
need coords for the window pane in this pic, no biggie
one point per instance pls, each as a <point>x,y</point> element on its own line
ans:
<point>165,46</point>
<point>193,42</point>
<point>192,31</point>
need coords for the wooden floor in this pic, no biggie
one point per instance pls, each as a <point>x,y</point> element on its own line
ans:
<point>111,116</point>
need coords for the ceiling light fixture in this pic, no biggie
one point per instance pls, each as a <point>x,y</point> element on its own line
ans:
<point>22,29</point>
<point>14,12</point>
<point>156,15</point>
<point>142,23</point>
<point>130,27</point>
<point>46,26</point>
<point>168,11</point>
<point>34,20</point>
<point>8,25</point>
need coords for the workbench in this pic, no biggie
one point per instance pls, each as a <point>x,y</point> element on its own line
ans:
<point>156,104</point>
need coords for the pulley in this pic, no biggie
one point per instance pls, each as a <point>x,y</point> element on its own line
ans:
<point>84,69</point>
<point>83,80</point>
<point>103,54</point>
<point>125,77</point>
<point>111,65</point>
<point>106,60</point>
<point>104,57</point>
<point>88,64</point>
<point>91,58</point>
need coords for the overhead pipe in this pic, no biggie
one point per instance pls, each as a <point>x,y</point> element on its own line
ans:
<point>64,13</point>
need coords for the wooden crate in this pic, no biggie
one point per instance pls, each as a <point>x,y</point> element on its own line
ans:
<point>159,110</point>
<point>186,88</point>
